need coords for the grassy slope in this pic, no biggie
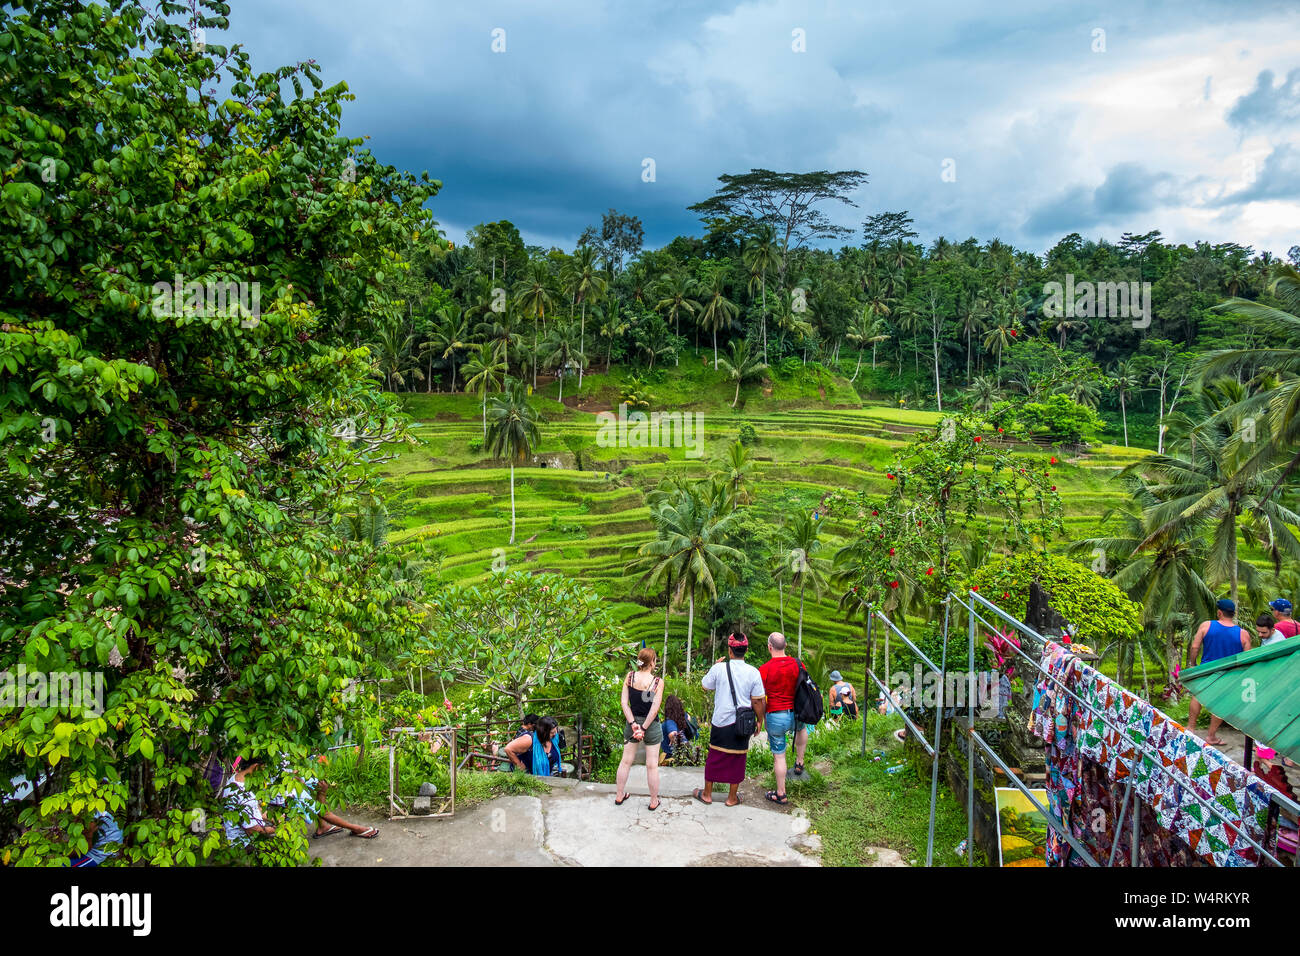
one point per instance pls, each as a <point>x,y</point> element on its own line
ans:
<point>813,438</point>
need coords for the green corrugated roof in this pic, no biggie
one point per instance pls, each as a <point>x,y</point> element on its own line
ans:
<point>1256,691</point>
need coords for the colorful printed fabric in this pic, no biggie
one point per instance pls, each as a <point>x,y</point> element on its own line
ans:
<point>1113,733</point>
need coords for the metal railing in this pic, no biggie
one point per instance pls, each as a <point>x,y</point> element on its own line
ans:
<point>974,603</point>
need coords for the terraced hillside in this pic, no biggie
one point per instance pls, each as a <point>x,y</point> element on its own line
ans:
<point>587,521</point>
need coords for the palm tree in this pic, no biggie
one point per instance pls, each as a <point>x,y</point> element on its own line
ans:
<point>394,356</point>
<point>449,336</point>
<point>498,331</point>
<point>534,294</point>
<point>690,548</point>
<point>866,329</point>
<point>718,311</point>
<point>512,433</point>
<point>676,291</point>
<point>1208,493</point>
<point>737,471</point>
<point>483,372</point>
<point>802,534</point>
<point>983,392</point>
<point>562,347</point>
<point>655,340</point>
<point>1127,382</point>
<point>999,337</point>
<point>761,256</point>
<point>1158,570</point>
<point>588,285</point>
<point>741,366</point>
<point>1280,405</point>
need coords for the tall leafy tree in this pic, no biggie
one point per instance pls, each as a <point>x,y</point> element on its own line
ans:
<point>741,366</point>
<point>187,419</point>
<point>691,548</point>
<point>512,433</point>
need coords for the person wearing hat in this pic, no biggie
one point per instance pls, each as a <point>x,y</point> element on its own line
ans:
<point>735,685</point>
<point>1214,641</point>
<point>1282,610</point>
<point>844,699</point>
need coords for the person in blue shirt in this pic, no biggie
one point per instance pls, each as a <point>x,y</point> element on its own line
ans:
<point>105,839</point>
<point>1214,641</point>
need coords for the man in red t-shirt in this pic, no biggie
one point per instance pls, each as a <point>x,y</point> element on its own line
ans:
<point>1285,623</point>
<point>780,678</point>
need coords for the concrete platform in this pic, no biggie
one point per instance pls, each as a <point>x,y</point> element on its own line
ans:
<point>577,824</point>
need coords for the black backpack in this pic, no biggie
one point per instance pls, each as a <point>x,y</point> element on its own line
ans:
<point>807,699</point>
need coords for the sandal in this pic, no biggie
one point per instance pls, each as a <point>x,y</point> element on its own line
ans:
<point>779,798</point>
<point>618,802</point>
<point>367,834</point>
<point>330,832</point>
<point>739,801</point>
<point>655,805</point>
<point>698,794</point>
<point>798,769</point>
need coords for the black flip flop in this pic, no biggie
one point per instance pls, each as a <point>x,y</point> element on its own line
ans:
<point>619,803</point>
<point>697,795</point>
<point>655,807</point>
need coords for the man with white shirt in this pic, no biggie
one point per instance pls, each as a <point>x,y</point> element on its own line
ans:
<point>737,688</point>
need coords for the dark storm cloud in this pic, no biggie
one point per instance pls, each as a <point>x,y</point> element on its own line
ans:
<point>553,131</point>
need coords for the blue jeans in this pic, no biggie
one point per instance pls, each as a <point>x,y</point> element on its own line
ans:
<point>779,725</point>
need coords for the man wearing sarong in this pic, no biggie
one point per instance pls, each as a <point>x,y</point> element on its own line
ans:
<point>727,748</point>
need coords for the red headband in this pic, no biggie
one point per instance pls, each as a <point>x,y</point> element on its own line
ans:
<point>734,641</point>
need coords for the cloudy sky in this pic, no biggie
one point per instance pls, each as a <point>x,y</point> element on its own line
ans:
<point>1051,118</point>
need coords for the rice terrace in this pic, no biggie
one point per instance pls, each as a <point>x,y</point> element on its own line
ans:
<point>665,443</point>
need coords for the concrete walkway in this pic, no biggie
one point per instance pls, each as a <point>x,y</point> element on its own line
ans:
<point>577,824</point>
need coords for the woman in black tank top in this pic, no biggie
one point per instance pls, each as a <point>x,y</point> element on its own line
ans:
<point>641,696</point>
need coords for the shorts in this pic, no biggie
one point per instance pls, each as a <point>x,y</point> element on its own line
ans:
<point>779,725</point>
<point>654,734</point>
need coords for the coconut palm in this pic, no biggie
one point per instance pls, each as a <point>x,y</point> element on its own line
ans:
<point>483,372</point>
<point>741,365</point>
<point>761,256</point>
<point>1127,383</point>
<point>562,348</point>
<point>512,433</point>
<point>498,332</point>
<point>801,532</point>
<point>393,349</point>
<point>653,339</point>
<point>1206,491</point>
<point>450,336</point>
<point>983,392</point>
<point>717,311</point>
<point>866,329</point>
<point>1159,570</point>
<point>534,295</point>
<point>588,286</point>
<point>690,548</point>
<point>1000,336</point>
<point>676,291</point>
<point>1279,405</point>
<point>737,471</point>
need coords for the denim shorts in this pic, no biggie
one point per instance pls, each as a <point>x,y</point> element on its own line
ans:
<point>779,725</point>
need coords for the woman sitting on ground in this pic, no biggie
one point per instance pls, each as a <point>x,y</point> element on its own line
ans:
<point>538,752</point>
<point>678,729</point>
<point>641,698</point>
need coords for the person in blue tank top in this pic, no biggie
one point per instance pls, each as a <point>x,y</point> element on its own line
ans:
<point>1214,641</point>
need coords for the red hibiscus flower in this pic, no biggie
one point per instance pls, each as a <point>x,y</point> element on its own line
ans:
<point>893,584</point>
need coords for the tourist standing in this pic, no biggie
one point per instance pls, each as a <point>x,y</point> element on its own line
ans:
<point>1214,641</point>
<point>641,696</point>
<point>780,679</point>
<point>738,698</point>
<point>1285,622</point>
<point>844,699</point>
